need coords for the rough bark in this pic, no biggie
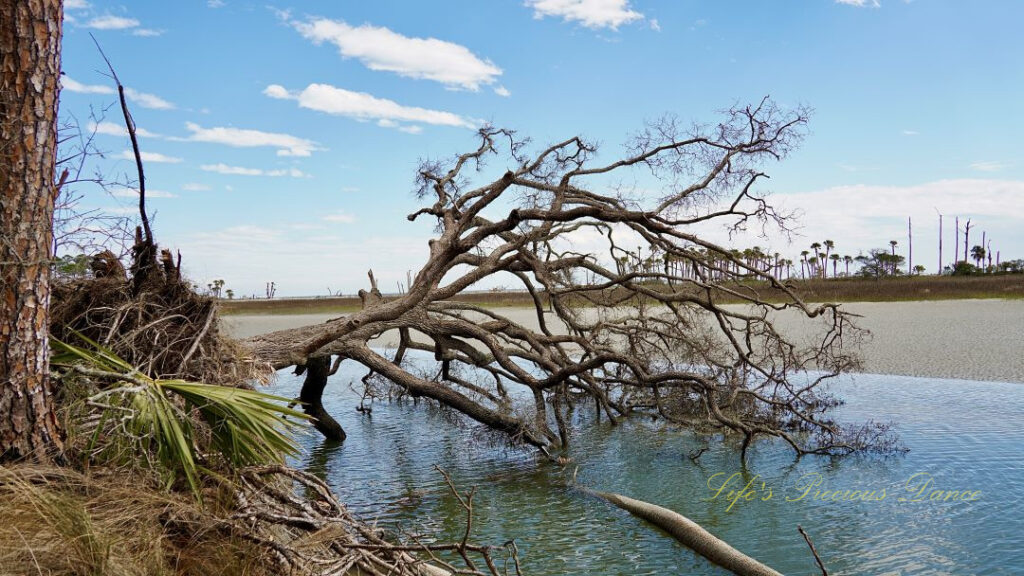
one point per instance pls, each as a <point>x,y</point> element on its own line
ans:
<point>317,370</point>
<point>30,36</point>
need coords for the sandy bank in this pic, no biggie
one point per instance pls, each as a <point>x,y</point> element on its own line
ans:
<point>965,339</point>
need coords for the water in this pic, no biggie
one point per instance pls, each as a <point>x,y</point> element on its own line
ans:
<point>962,435</point>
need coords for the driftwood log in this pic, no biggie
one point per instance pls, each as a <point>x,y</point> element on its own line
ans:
<point>690,534</point>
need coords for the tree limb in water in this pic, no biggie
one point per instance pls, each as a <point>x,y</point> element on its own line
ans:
<point>682,329</point>
<point>691,535</point>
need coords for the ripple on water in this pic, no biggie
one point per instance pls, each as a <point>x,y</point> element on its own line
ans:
<point>965,435</point>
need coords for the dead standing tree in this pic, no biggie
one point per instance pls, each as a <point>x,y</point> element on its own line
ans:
<point>635,339</point>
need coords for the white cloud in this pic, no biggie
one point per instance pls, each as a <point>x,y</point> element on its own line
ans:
<point>286,144</point>
<point>215,3</point>
<point>112,129</point>
<point>363,106</point>
<point>340,216</point>
<point>249,256</point>
<point>148,100</point>
<point>75,4</point>
<point>860,3</point>
<point>194,187</point>
<point>242,171</point>
<point>379,48</point>
<point>502,91</point>
<point>154,157</point>
<point>132,193</point>
<point>989,166</point>
<point>233,170</point>
<point>292,172</point>
<point>67,83</point>
<point>654,25</point>
<point>110,22</point>
<point>147,32</point>
<point>910,132</point>
<point>141,98</point>
<point>592,14</point>
<point>861,217</point>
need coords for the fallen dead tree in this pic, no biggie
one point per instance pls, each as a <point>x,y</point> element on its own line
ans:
<point>642,331</point>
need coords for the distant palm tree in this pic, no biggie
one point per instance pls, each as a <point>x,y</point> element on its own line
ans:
<point>804,264</point>
<point>847,260</point>
<point>893,243</point>
<point>829,245</point>
<point>835,262</point>
<point>815,247</point>
<point>978,254</point>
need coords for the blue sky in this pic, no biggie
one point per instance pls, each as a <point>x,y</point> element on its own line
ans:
<point>283,139</point>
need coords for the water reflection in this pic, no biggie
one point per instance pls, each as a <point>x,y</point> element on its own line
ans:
<point>965,435</point>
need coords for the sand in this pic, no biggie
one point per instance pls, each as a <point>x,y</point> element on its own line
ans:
<point>963,339</point>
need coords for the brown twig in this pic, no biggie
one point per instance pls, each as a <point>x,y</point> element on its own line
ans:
<point>817,558</point>
<point>130,125</point>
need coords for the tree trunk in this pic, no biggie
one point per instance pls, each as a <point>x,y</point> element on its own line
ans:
<point>317,370</point>
<point>30,36</point>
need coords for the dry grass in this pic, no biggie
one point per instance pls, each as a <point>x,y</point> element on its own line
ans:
<point>901,288</point>
<point>904,288</point>
<point>58,521</point>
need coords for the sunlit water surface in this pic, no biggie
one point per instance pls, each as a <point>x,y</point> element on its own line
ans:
<point>962,435</point>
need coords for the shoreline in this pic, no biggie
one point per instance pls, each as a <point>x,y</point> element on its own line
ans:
<point>976,339</point>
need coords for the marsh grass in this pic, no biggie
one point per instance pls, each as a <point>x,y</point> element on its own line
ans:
<point>57,521</point>
<point>855,289</point>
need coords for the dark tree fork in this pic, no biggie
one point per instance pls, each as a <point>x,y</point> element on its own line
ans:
<point>649,339</point>
<point>30,36</point>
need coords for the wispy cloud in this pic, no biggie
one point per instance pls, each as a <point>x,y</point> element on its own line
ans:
<point>340,216</point>
<point>112,129</point>
<point>122,210</point>
<point>154,157</point>
<point>242,171</point>
<point>132,193</point>
<point>111,22</point>
<point>860,3</point>
<point>215,3</point>
<point>502,91</point>
<point>365,107</point>
<point>379,48</point>
<point>75,4</point>
<point>147,32</point>
<point>286,144</point>
<point>143,99</point>
<point>910,132</point>
<point>71,85</point>
<point>990,166</point>
<point>148,100</point>
<point>592,14</point>
<point>194,187</point>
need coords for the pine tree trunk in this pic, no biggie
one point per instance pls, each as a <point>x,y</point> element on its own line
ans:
<point>30,35</point>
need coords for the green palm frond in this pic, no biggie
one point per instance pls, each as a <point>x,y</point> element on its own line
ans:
<point>155,416</point>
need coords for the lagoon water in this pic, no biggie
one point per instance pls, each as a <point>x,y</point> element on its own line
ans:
<point>961,435</point>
